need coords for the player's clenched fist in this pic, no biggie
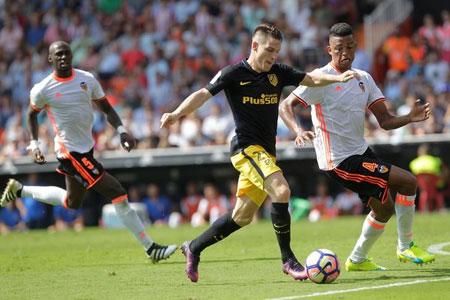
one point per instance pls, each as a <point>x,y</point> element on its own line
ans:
<point>168,119</point>
<point>127,141</point>
<point>419,111</point>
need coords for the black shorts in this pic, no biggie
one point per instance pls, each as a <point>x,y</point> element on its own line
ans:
<point>81,166</point>
<point>364,174</point>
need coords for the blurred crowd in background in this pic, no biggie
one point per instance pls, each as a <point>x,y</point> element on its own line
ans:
<point>150,55</point>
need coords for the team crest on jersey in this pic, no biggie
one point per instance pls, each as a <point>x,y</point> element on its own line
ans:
<point>383,169</point>
<point>362,87</point>
<point>83,86</point>
<point>273,79</point>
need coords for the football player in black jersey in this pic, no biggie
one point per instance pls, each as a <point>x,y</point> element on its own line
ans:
<point>253,89</point>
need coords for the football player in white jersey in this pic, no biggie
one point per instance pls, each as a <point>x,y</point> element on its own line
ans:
<point>338,113</point>
<point>68,96</point>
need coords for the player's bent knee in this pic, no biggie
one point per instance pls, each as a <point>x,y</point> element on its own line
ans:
<point>242,218</point>
<point>282,194</point>
<point>411,183</point>
<point>385,213</point>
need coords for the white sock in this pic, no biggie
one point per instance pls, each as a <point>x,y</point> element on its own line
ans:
<point>52,195</point>
<point>404,210</point>
<point>371,231</point>
<point>131,220</point>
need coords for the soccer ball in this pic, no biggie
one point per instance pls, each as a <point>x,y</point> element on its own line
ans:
<point>322,266</point>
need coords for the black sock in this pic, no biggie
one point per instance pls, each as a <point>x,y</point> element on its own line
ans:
<point>281,221</point>
<point>19,193</point>
<point>220,229</point>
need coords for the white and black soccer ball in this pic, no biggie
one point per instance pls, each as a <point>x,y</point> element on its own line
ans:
<point>322,266</point>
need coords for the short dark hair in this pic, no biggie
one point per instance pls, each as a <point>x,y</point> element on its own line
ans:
<point>268,29</point>
<point>341,29</point>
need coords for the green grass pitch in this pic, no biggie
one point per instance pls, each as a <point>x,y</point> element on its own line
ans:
<point>109,264</point>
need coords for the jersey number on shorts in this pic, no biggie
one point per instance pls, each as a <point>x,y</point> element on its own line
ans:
<point>87,163</point>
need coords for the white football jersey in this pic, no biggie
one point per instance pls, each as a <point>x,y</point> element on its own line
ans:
<point>68,102</point>
<point>338,114</point>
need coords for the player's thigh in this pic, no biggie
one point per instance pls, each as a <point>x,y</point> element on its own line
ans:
<point>382,210</point>
<point>109,187</point>
<point>255,166</point>
<point>75,192</point>
<point>402,181</point>
<point>255,163</point>
<point>246,188</point>
<point>277,187</point>
<point>244,210</point>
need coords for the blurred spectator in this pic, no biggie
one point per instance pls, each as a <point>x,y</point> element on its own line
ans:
<point>436,72</point>
<point>396,48</point>
<point>34,213</point>
<point>151,54</point>
<point>211,207</point>
<point>429,31</point>
<point>427,169</point>
<point>67,218</point>
<point>321,203</point>
<point>10,219</point>
<point>348,203</point>
<point>159,206</point>
<point>443,34</point>
<point>10,37</point>
<point>189,203</point>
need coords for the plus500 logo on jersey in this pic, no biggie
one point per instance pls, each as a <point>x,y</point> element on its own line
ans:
<point>265,99</point>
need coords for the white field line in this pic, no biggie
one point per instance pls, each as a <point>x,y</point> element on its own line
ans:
<point>437,249</point>
<point>364,288</point>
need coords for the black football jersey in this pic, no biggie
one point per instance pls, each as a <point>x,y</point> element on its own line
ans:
<point>254,98</point>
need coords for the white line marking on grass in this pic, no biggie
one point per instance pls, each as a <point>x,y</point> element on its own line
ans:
<point>437,249</point>
<point>364,288</point>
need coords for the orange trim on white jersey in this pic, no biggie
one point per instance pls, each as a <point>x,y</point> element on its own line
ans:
<point>302,102</point>
<point>56,129</point>
<point>64,79</point>
<point>376,101</point>
<point>326,136</point>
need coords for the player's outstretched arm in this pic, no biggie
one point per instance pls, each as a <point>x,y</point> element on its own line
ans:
<point>317,78</point>
<point>189,105</point>
<point>126,139</point>
<point>33,128</point>
<point>418,113</point>
<point>288,117</point>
